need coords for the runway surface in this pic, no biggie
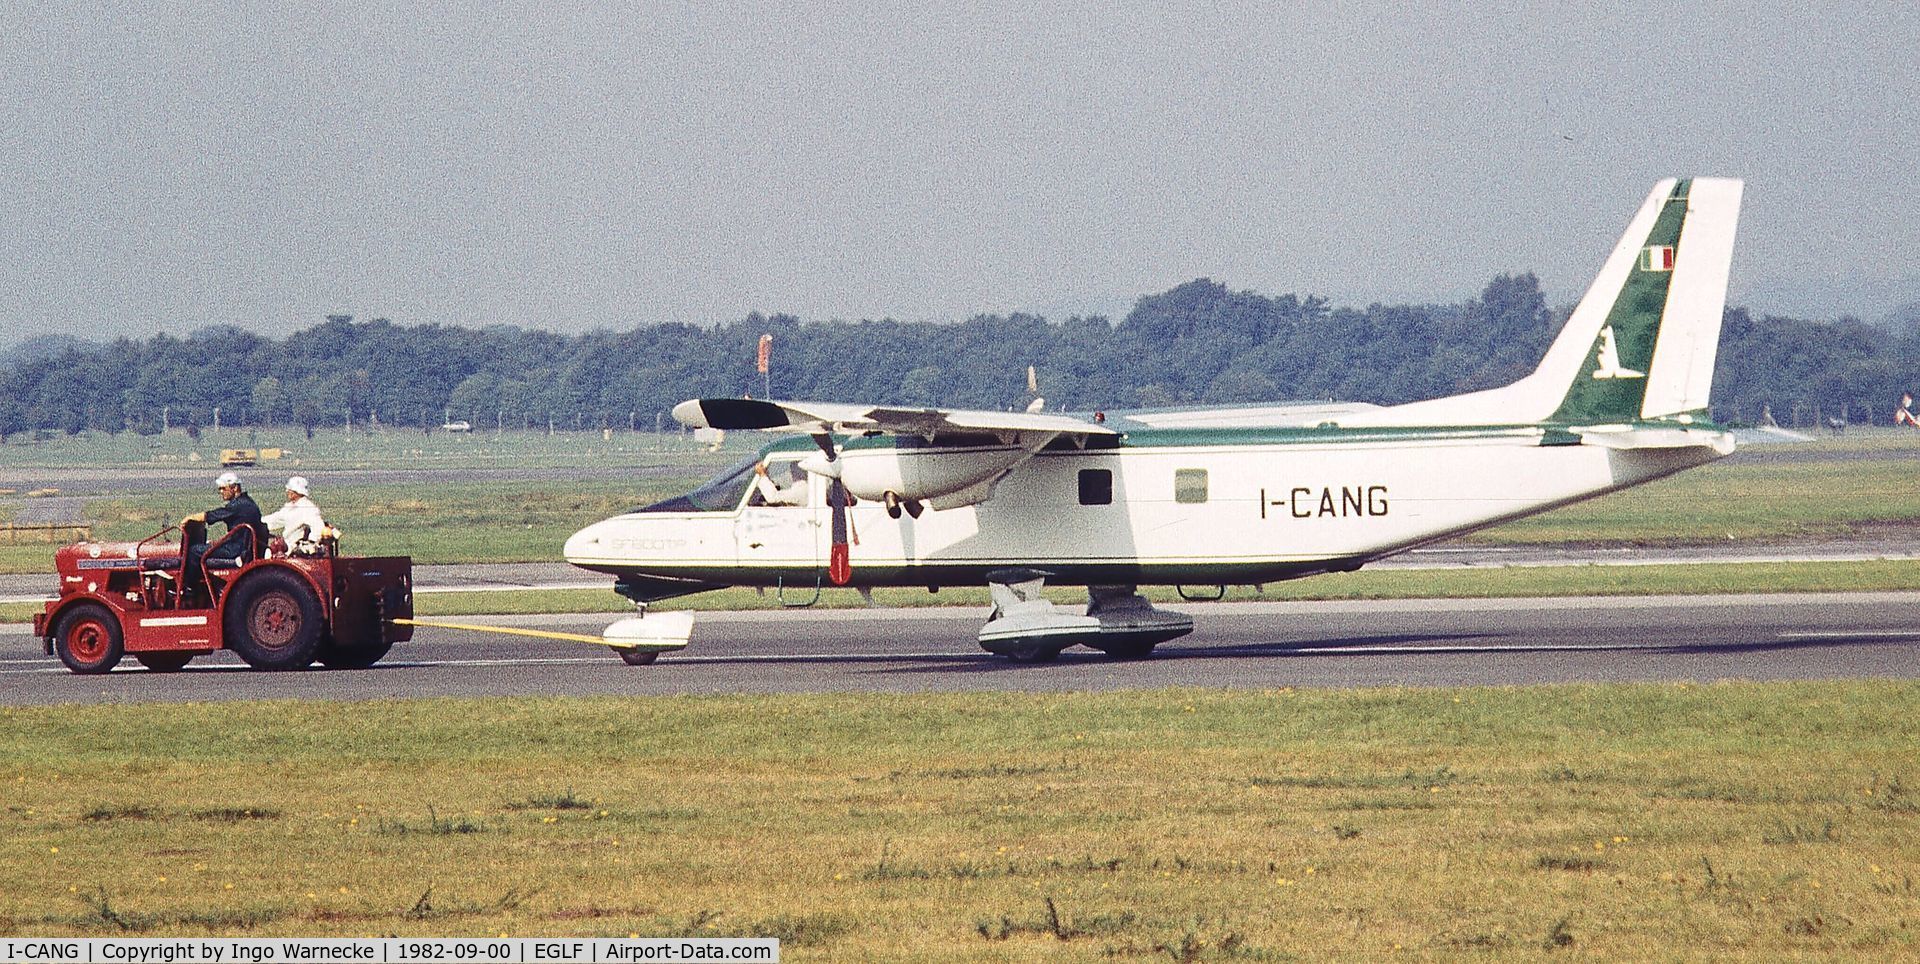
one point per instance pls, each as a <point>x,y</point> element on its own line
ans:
<point>1239,645</point>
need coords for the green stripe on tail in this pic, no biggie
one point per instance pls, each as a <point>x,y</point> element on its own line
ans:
<point>1612,383</point>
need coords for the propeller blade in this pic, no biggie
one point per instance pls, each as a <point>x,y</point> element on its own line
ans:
<point>840,562</point>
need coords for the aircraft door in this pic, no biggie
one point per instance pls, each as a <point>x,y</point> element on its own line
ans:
<point>780,526</point>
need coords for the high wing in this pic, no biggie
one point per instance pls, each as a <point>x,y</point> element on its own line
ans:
<point>822,417</point>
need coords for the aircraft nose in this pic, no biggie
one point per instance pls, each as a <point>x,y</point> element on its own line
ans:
<point>585,543</point>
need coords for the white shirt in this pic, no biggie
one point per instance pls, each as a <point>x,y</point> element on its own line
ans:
<point>794,494</point>
<point>298,520</point>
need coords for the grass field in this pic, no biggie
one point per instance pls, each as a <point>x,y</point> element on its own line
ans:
<point>1732,821</point>
<point>1844,487</point>
<point>1834,487</point>
<point>1828,486</point>
<point>488,521</point>
<point>450,521</point>
<point>1741,500</point>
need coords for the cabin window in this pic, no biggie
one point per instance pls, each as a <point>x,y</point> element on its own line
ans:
<point>785,485</point>
<point>1096,487</point>
<point>722,493</point>
<point>1190,485</point>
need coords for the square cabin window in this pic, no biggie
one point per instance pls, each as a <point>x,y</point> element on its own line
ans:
<point>1190,485</point>
<point>1096,487</point>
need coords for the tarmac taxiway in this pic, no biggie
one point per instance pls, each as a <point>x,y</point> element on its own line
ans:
<point>1235,645</point>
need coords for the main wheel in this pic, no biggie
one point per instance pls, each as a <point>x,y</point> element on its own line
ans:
<point>164,662</point>
<point>1032,653</point>
<point>634,657</point>
<point>87,639</point>
<point>273,620</point>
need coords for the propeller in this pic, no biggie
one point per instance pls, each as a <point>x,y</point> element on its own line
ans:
<point>839,560</point>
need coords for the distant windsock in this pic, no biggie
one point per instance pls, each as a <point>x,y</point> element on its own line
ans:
<point>766,353</point>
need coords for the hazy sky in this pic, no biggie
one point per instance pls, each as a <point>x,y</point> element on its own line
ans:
<point>580,166</point>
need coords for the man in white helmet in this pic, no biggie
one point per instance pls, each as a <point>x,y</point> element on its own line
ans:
<point>237,512</point>
<point>298,521</point>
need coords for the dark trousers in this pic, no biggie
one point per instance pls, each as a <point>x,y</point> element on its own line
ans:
<point>197,553</point>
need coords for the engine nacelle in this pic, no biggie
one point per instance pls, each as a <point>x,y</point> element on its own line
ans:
<point>941,477</point>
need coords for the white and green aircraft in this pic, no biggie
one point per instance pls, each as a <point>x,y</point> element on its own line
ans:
<point>865,495</point>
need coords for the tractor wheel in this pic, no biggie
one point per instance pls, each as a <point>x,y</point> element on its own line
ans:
<point>273,620</point>
<point>633,658</point>
<point>355,656</point>
<point>164,662</point>
<point>87,638</point>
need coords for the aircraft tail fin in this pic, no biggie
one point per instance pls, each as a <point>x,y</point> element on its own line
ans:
<point>1641,344</point>
<point>1659,319</point>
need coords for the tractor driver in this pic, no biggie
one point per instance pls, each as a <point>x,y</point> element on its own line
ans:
<point>238,511</point>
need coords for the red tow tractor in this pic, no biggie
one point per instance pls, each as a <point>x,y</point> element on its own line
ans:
<point>276,611</point>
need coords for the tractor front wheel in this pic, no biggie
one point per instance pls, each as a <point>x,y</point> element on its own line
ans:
<point>87,638</point>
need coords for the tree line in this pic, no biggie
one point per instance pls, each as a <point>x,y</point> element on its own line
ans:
<point>1198,343</point>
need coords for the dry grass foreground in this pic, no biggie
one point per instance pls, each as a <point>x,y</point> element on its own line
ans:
<point>1645,821</point>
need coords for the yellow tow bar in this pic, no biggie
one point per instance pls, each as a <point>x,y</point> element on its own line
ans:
<point>509,631</point>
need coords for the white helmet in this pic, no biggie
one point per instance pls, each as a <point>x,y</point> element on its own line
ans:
<point>226,479</point>
<point>298,484</point>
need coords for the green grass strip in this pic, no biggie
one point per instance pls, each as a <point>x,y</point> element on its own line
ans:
<point>1742,821</point>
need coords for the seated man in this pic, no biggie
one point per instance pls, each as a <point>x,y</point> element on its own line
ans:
<point>238,511</point>
<point>773,493</point>
<point>299,521</point>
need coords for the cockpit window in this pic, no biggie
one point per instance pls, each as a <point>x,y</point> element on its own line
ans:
<point>722,493</point>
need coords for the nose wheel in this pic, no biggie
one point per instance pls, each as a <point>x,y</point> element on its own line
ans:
<point>639,640</point>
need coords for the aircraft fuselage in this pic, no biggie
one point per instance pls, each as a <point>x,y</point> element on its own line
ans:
<point>1184,507</point>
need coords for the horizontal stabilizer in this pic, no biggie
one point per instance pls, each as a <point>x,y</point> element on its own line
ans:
<point>1658,438</point>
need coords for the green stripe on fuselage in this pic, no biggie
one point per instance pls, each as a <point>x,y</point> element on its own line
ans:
<point>1553,433</point>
